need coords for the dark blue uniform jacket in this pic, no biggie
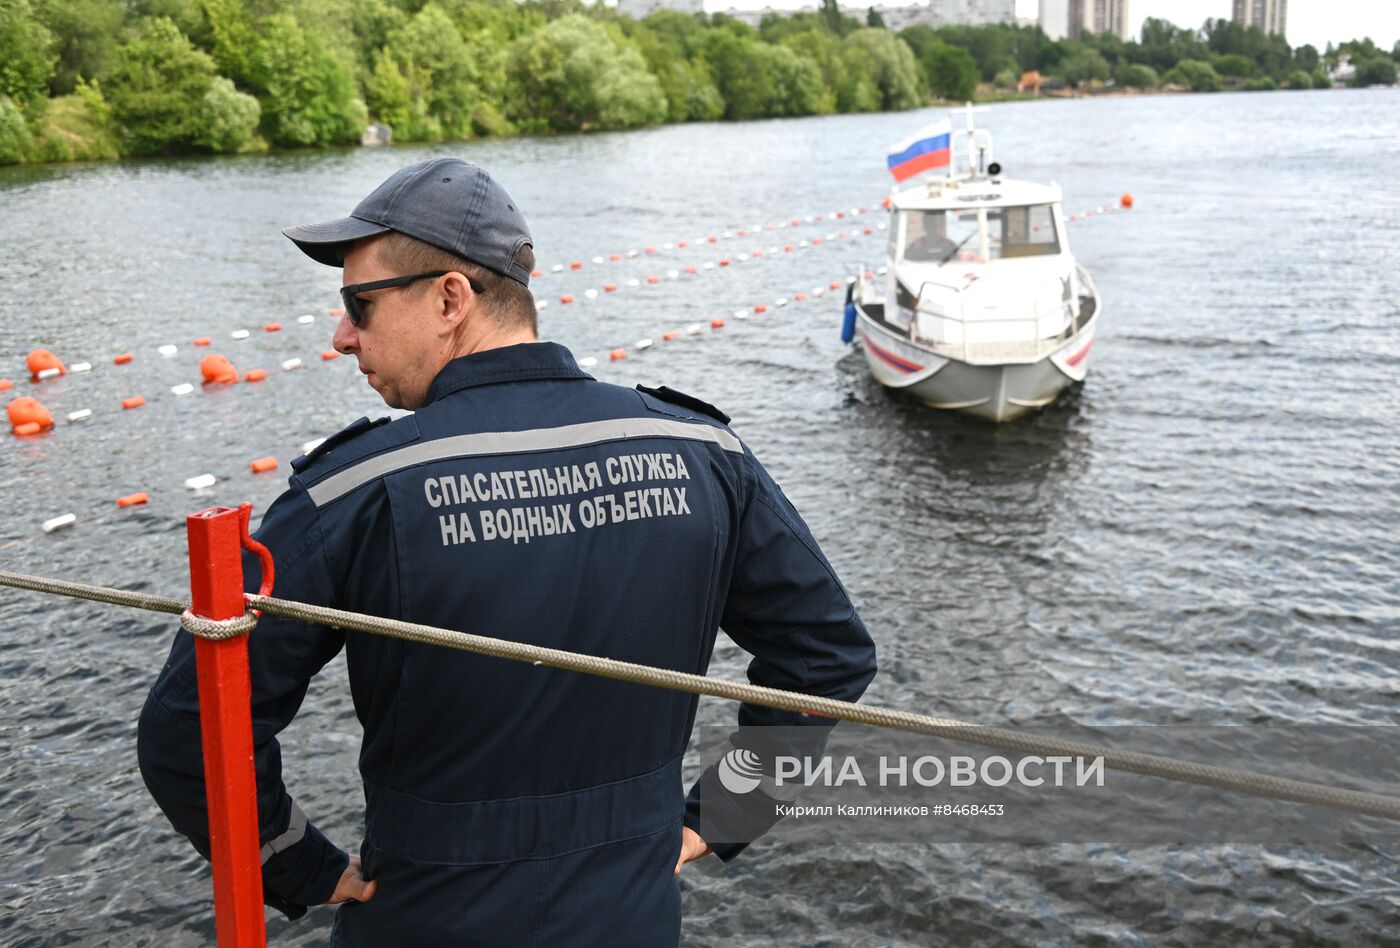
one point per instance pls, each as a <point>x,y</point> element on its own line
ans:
<point>509,804</point>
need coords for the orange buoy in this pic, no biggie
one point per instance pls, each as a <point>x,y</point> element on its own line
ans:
<point>28,428</point>
<point>41,360</point>
<point>724,261</point>
<point>135,401</point>
<point>536,273</point>
<point>742,232</point>
<point>261,465</point>
<point>6,385</point>
<point>712,239</point>
<point>799,296</point>
<point>1126,200</point>
<point>668,336</point>
<point>816,240</point>
<point>614,256</point>
<point>651,250</point>
<point>617,354</point>
<point>653,279</point>
<point>255,375</point>
<point>682,244</point>
<point>836,284</point>
<point>202,341</point>
<point>273,327</point>
<point>692,269</point>
<point>788,248</point>
<point>716,324</point>
<point>576,265</point>
<point>329,354</point>
<point>756,253</point>
<point>844,234</point>
<point>609,287</point>
<point>760,308</point>
<point>338,312</point>
<point>122,359</point>
<point>840,213</point>
<point>132,500</point>
<point>885,204</point>
<point>794,223</point>
<point>28,411</point>
<point>217,369</point>
<point>868,230</point>
<point>566,298</point>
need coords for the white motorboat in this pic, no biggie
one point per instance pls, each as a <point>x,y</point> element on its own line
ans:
<point>984,309</point>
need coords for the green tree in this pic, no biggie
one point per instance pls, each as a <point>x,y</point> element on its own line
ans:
<point>388,96</point>
<point>1260,84</point>
<point>891,66</point>
<point>1299,79</point>
<point>1376,71</point>
<point>572,75</point>
<point>443,76</point>
<point>1235,65</point>
<point>307,96</point>
<point>874,19</point>
<point>156,89</point>
<point>228,117</point>
<point>1197,75</point>
<point>1140,76</point>
<point>1083,66</point>
<point>1305,57</point>
<point>86,34</point>
<point>950,71</point>
<point>27,56</point>
<point>15,138</point>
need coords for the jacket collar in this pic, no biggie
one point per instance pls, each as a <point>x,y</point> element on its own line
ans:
<point>522,362</point>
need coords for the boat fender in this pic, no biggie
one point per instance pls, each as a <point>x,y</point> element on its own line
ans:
<point>668,394</point>
<point>848,325</point>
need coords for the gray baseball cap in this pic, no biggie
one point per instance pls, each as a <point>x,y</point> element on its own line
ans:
<point>449,203</point>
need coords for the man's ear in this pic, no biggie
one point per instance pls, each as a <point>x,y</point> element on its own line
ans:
<point>458,300</point>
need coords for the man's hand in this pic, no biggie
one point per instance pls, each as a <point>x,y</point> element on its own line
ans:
<point>352,886</point>
<point>692,848</point>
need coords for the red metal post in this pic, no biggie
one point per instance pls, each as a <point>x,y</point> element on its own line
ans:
<point>225,695</point>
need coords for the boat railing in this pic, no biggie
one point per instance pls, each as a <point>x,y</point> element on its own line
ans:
<point>948,304</point>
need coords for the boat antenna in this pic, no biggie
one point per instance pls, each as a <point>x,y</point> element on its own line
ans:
<point>976,145</point>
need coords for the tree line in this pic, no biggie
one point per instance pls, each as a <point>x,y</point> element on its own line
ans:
<point>83,79</point>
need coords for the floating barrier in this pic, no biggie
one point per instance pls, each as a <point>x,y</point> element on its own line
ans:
<point>28,428</point>
<point>123,359</point>
<point>168,351</point>
<point>80,367</point>
<point>59,522</point>
<point>329,354</point>
<point>183,389</point>
<point>217,369</point>
<point>6,385</point>
<point>200,481</point>
<point>239,334</point>
<point>289,364</point>
<point>262,465</point>
<point>201,341</point>
<point>133,500</point>
<point>82,414</point>
<point>42,361</point>
<point>25,411</point>
<point>255,375</point>
<point>135,401</point>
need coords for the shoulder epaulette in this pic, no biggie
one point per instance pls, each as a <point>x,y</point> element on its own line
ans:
<point>353,430</point>
<point>668,394</point>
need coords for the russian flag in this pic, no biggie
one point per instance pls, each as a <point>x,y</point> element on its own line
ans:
<point>926,149</point>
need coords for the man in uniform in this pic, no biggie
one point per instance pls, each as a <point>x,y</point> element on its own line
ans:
<point>507,804</point>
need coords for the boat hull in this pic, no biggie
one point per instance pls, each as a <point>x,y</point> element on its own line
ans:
<point>995,392</point>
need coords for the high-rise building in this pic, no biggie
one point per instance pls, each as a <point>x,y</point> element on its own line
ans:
<point>1271,16</point>
<point>1054,18</point>
<point>1088,17</point>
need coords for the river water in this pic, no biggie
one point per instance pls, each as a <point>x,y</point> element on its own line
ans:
<point>1204,533</point>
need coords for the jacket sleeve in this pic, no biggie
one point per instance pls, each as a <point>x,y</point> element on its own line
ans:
<point>300,866</point>
<point>787,608</point>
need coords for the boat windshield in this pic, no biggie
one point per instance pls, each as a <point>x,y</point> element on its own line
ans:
<point>930,236</point>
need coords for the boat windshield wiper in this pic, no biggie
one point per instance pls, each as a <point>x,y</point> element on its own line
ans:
<point>952,253</point>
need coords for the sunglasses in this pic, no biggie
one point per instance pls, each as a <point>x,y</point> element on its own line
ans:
<point>355,307</point>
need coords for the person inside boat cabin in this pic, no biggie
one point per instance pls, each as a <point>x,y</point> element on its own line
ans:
<point>507,804</point>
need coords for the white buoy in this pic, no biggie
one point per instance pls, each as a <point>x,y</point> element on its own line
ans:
<point>710,265</point>
<point>644,344</point>
<point>672,274</point>
<point>818,290</point>
<point>290,364</point>
<point>727,234</point>
<point>742,257</point>
<point>831,236</point>
<point>541,304</point>
<point>781,301</point>
<point>880,226</point>
<point>591,294</point>
<point>597,259</point>
<point>240,334</point>
<point>694,329</point>
<point>801,243</point>
<point>58,523</point>
<point>587,362</point>
<point>557,268</point>
<point>668,246</point>
<point>183,389</point>
<point>49,373</point>
<point>634,282</point>
<point>741,314</point>
<point>631,253</point>
<point>80,367</point>
<point>81,414</point>
<point>312,445</point>
<point>200,481</point>
<point>168,351</point>
<point>773,251</point>
<point>306,320</point>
